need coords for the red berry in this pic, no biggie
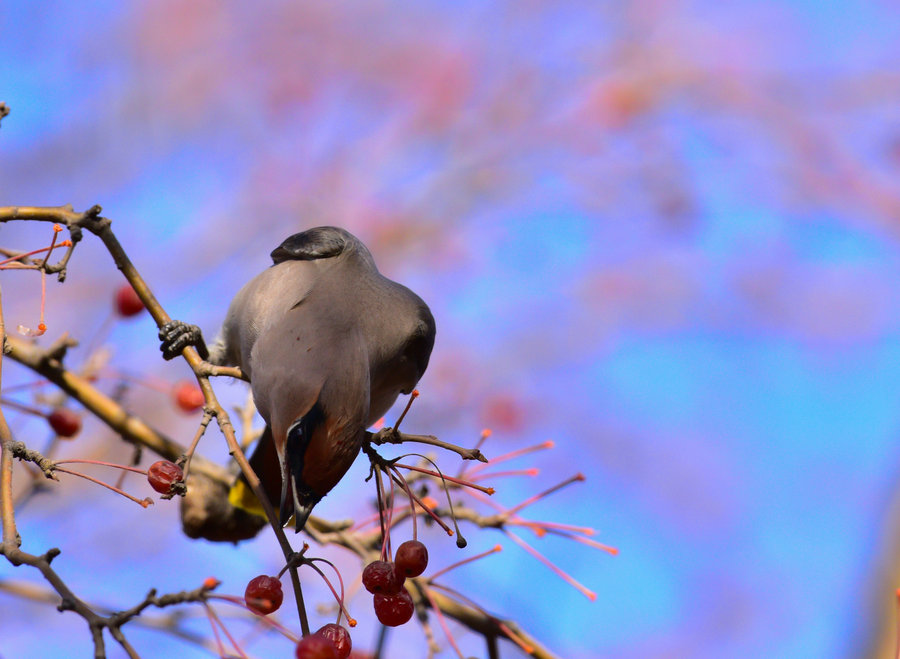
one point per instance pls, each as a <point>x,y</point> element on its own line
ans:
<point>411,558</point>
<point>64,422</point>
<point>163,474</point>
<point>379,577</point>
<point>394,610</point>
<point>188,396</point>
<point>315,647</point>
<point>127,301</point>
<point>339,637</point>
<point>264,595</point>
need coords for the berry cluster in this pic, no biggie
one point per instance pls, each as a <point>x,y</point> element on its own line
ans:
<point>392,601</point>
<point>263,595</point>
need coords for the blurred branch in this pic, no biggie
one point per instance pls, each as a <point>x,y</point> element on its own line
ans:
<point>130,427</point>
<point>486,624</point>
<point>11,541</point>
<point>169,623</point>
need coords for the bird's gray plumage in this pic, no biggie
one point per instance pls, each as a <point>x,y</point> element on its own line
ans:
<point>328,343</point>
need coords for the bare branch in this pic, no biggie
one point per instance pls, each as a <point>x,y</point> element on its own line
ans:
<point>22,452</point>
<point>391,436</point>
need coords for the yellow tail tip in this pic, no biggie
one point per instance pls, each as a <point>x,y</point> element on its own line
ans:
<point>241,496</point>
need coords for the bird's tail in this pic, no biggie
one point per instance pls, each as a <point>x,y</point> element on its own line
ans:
<point>297,498</point>
<point>264,461</point>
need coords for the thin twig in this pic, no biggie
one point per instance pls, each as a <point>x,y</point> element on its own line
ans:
<point>391,436</point>
<point>204,423</point>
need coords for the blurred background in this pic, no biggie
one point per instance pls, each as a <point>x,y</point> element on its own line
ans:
<point>663,234</point>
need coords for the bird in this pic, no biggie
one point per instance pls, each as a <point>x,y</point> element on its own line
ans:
<point>328,343</point>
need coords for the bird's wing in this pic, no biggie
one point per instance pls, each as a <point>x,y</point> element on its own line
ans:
<point>261,303</point>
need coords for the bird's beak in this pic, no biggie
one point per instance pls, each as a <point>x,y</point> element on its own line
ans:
<point>301,514</point>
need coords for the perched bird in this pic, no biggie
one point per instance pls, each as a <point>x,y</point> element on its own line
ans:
<point>328,343</point>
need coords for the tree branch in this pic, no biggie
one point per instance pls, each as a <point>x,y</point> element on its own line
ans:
<point>391,436</point>
<point>131,428</point>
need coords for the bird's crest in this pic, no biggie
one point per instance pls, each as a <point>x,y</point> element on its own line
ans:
<point>312,244</point>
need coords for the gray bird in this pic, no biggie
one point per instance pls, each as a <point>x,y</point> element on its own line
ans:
<point>328,343</point>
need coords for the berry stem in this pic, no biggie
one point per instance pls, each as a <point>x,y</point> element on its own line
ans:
<point>43,294</point>
<point>212,623</point>
<point>530,500</point>
<point>149,381</point>
<point>135,460</point>
<point>514,454</point>
<point>487,432</point>
<point>340,600</point>
<point>268,620</point>
<point>577,538</point>
<point>478,496</point>
<point>554,527</point>
<point>22,407</point>
<point>56,229</point>
<point>492,550</point>
<point>386,546</point>
<point>64,243</point>
<point>481,439</point>
<point>27,385</point>
<point>515,638</point>
<point>412,505</point>
<point>509,633</point>
<point>442,621</point>
<point>533,471</point>
<point>460,540</point>
<point>413,396</point>
<point>296,560</point>
<point>234,643</point>
<point>379,487</point>
<point>452,479</point>
<point>399,478</point>
<point>143,502</point>
<point>102,464</point>
<point>543,559</point>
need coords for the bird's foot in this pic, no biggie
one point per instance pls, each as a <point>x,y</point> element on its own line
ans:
<point>177,335</point>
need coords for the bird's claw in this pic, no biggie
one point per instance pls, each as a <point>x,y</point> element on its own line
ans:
<point>177,335</point>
